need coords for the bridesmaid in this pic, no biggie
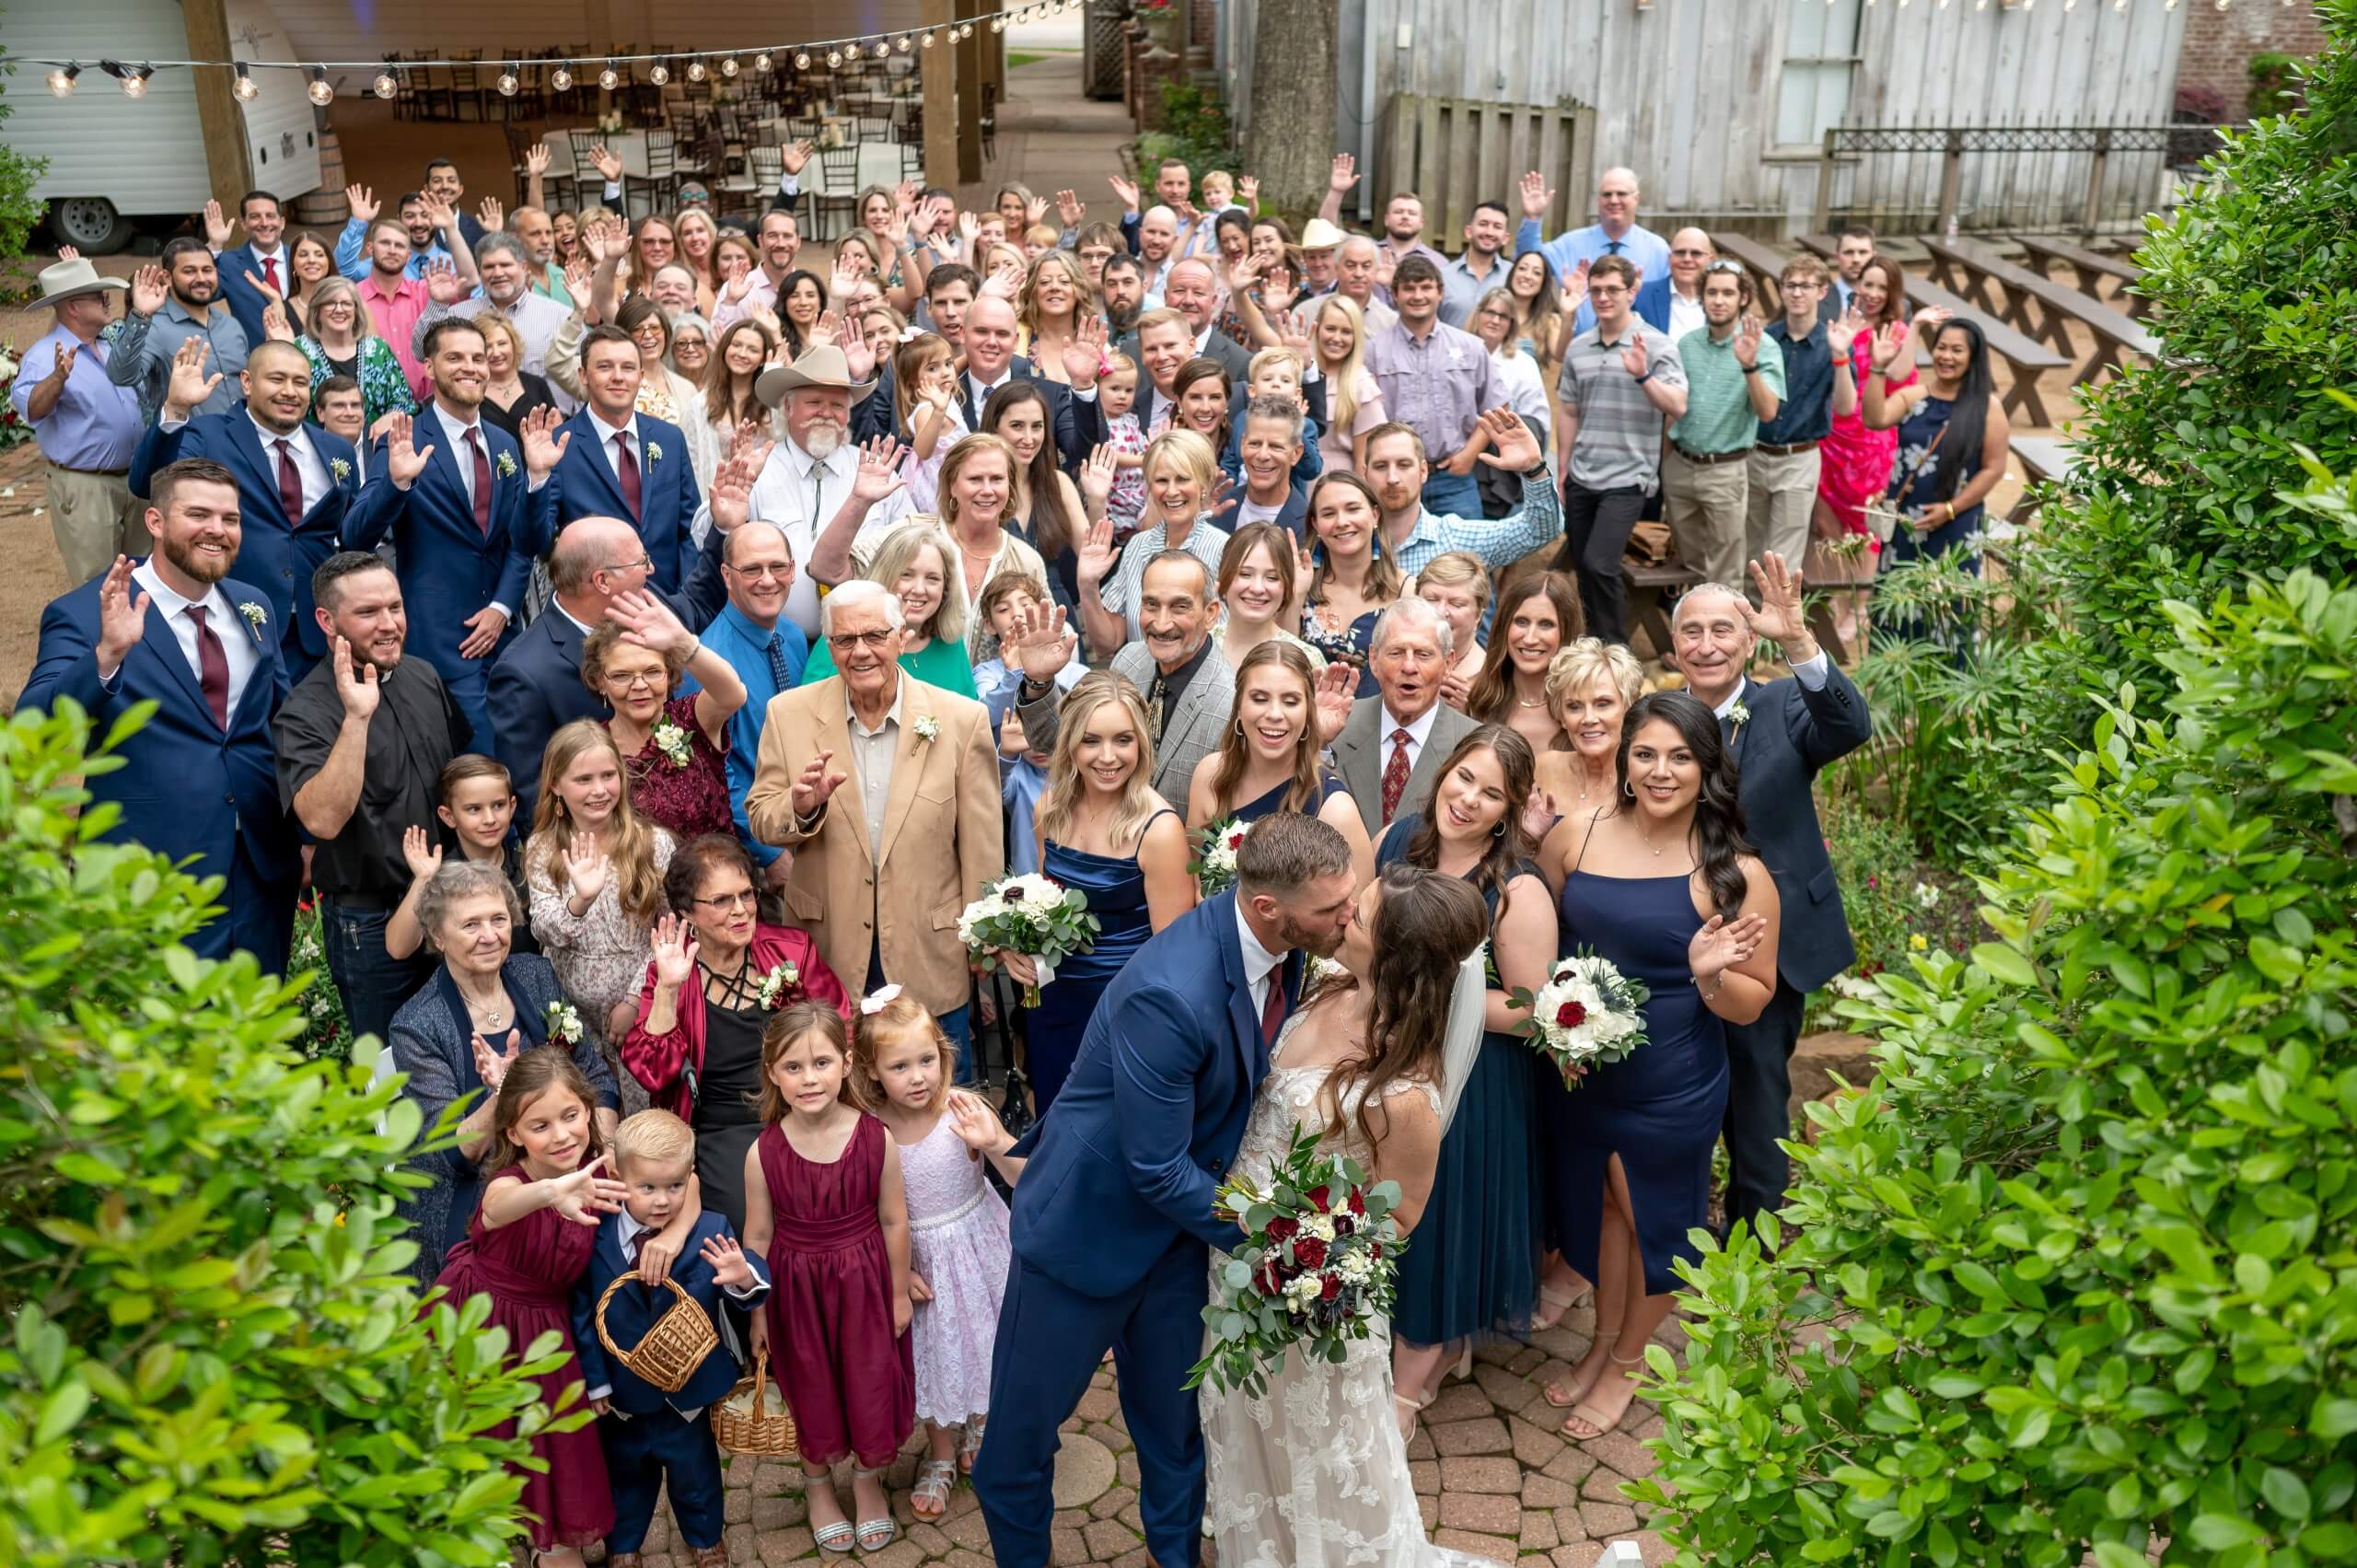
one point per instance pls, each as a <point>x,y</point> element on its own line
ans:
<point>1102,829</point>
<point>1269,762</point>
<point>1661,884</point>
<point>1473,1269</point>
<point>1534,619</point>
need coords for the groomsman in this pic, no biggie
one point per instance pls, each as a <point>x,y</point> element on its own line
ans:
<point>463,522</point>
<point>299,486</point>
<point>200,777</point>
<point>1782,735</point>
<point>620,463</point>
<point>263,259</point>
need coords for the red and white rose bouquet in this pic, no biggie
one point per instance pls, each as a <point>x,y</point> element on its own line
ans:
<point>1587,1012</point>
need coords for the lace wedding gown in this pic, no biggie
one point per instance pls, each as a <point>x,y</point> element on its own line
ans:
<point>1313,1474</point>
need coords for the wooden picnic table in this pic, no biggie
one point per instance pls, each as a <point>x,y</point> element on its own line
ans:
<point>1973,269</point>
<point>2091,268</point>
<point>1767,264</point>
<point>2044,458</point>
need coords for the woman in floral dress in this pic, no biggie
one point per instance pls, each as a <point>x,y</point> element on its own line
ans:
<point>674,748</point>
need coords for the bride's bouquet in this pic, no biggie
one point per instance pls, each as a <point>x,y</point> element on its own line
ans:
<point>1589,1012</point>
<point>1319,1263</point>
<point>1037,916</point>
<point>1214,867</point>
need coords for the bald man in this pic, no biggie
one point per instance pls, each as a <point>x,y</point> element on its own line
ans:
<point>1673,302</point>
<point>1615,232</point>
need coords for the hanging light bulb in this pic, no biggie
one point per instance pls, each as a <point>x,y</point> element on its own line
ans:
<point>903,43</point>
<point>763,62</point>
<point>998,24</point>
<point>609,79</point>
<point>659,74</point>
<point>135,80</point>
<point>61,80</point>
<point>927,40</point>
<point>728,66</point>
<point>696,72</point>
<point>386,85</point>
<point>802,60</point>
<point>243,89</point>
<point>321,91</point>
<point>561,79</point>
<point>834,58</point>
<point>882,49</point>
<point>509,81</point>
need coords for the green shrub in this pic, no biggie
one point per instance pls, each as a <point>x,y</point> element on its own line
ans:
<point>2274,85</point>
<point>327,1034</point>
<point>20,210</point>
<point>1195,130</point>
<point>213,1352</point>
<point>1897,902</point>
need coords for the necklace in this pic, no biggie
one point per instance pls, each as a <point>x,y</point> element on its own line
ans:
<point>491,1013</point>
<point>1530,702</point>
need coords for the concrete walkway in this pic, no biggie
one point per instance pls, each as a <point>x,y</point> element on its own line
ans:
<point>1050,138</point>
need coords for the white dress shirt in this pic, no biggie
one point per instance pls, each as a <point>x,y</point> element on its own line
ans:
<point>1419,731</point>
<point>309,467</point>
<point>605,433</point>
<point>981,391</point>
<point>221,617</point>
<point>1260,965</point>
<point>1809,673</point>
<point>784,496</point>
<point>262,273</point>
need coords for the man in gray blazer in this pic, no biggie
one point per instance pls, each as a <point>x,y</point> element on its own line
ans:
<point>1390,751</point>
<point>1189,689</point>
<point>1782,734</point>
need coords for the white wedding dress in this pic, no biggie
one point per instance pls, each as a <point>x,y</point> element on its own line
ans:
<point>1314,1473</point>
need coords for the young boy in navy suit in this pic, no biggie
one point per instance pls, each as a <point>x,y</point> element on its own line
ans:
<point>652,1437</point>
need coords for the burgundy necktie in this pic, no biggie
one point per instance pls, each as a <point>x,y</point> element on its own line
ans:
<point>269,272</point>
<point>483,480</point>
<point>212,668</point>
<point>626,469</point>
<point>290,484</point>
<point>1273,1010</point>
<point>1394,774</point>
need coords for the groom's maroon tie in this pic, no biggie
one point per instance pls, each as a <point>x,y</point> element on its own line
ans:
<point>1273,1010</point>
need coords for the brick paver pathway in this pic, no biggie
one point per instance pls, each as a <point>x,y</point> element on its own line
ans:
<point>1492,1474</point>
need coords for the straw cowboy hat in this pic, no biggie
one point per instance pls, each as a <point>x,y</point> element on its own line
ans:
<point>62,280</point>
<point>1320,235</point>
<point>822,366</point>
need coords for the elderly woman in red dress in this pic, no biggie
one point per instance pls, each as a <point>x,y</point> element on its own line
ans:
<point>674,748</point>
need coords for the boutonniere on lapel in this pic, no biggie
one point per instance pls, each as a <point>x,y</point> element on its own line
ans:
<point>654,453</point>
<point>256,615</point>
<point>928,729</point>
<point>505,465</point>
<point>672,741</point>
<point>1739,716</point>
<point>564,1023</point>
<point>773,987</point>
<point>340,469</point>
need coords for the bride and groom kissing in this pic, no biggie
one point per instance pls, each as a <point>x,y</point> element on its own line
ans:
<point>1203,1056</point>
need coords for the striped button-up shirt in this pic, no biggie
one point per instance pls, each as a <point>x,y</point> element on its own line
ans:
<point>1619,443</point>
<point>1438,384</point>
<point>1498,541</point>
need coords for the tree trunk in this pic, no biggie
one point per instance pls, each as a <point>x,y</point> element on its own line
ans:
<point>1290,145</point>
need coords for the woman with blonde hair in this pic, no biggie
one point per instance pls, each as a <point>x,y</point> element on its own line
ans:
<point>343,342</point>
<point>917,562</point>
<point>1590,684</point>
<point>978,480</point>
<point>595,868</point>
<point>1056,298</point>
<point>511,394</point>
<point>698,242</point>
<point>1269,761</point>
<point>1183,485</point>
<point>1101,829</point>
<point>1353,399</point>
<point>1458,585</point>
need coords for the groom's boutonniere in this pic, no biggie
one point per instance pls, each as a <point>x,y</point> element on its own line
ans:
<point>654,453</point>
<point>506,465</point>
<point>928,729</point>
<point>1738,715</point>
<point>256,616</point>
<point>340,469</point>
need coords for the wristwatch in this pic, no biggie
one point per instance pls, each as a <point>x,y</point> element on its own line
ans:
<point>1750,369</point>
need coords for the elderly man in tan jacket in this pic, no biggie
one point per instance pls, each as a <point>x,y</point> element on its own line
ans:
<point>888,790</point>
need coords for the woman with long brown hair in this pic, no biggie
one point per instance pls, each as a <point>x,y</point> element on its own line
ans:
<point>1044,510</point>
<point>1351,580</point>
<point>1536,617</point>
<point>1269,762</point>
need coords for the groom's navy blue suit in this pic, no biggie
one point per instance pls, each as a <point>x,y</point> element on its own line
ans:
<point>1112,1227</point>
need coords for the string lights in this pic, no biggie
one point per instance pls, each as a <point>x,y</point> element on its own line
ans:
<point>384,79</point>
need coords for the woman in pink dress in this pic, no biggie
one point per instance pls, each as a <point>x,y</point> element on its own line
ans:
<point>1854,461</point>
<point>673,748</point>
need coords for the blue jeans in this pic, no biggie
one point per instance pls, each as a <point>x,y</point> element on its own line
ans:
<point>1452,495</point>
<point>372,982</point>
<point>959,1026</point>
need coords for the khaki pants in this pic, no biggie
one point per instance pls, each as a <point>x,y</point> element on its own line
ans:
<point>94,519</point>
<point>1784,495</point>
<point>1703,504</point>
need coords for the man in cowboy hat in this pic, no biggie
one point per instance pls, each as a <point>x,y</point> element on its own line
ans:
<point>1321,248</point>
<point>87,425</point>
<point>810,478</point>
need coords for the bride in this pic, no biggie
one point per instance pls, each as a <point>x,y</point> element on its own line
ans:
<point>1314,1474</point>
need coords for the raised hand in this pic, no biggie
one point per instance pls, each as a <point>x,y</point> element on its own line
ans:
<point>217,226</point>
<point>1747,342</point>
<point>69,253</point>
<point>647,622</point>
<point>797,155</point>
<point>1344,174</point>
<point>608,163</point>
<point>975,1123</point>
<point>1096,476</point>
<point>274,325</point>
<point>1931,318</point>
<point>1513,447</point>
<point>1224,498</point>
<point>1539,814</point>
<point>586,866</point>
<point>1721,945</point>
<point>859,355</point>
<point>878,474</point>
<point>1842,331</point>
<point>749,444</point>
<point>1780,615</point>
<point>1634,357</point>
<point>536,159</point>
<point>362,201</point>
<point>1337,688</point>
<point>816,784</point>
<point>1097,552</point>
<point>1068,209</point>
<point>1537,195</point>
<point>1576,286</point>
<point>736,288</point>
<point>1455,689</point>
<point>1084,356</point>
<point>543,443</point>
<point>729,1267</point>
<point>1887,344</point>
<point>484,630</point>
<point>150,287</point>
<point>443,283</point>
<point>731,495</point>
<point>490,214</point>
<point>1127,190</point>
<point>423,853</point>
<point>491,1066</point>
<point>674,945</point>
<point>122,614</point>
<point>404,460</point>
<point>1040,645</point>
<point>1004,282</point>
<point>188,386</point>
<point>1036,210</point>
<point>259,287</point>
<point>1387,266</point>
<point>904,198</point>
<point>355,689</point>
<point>441,215</point>
<point>1244,273</point>
<point>1248,192</point>
<point>582,1195</point>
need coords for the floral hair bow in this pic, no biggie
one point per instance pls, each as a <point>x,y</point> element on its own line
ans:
<point>909,334</point>
<point>875,1002</point>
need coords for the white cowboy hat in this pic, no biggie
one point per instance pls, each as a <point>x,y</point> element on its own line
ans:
<point>63,280</point>
<point>822,366</point>
<point>1320,235</point>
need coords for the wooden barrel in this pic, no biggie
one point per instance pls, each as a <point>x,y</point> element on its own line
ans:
<point>325,205</point>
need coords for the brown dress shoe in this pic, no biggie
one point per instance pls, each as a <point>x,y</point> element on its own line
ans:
<point>711,1557</point>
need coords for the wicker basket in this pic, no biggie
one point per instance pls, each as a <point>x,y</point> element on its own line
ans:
<point>752,1420</point>
<point>672,1350</point>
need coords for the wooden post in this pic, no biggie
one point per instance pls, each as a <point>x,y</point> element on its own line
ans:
<point>1820,217</point>
<point>227,166</point>
<point>2094,214</point>
<point>938,73</point>
<point>969,93</point>
<point>1951,180</point>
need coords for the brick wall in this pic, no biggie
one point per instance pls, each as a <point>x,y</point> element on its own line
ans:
<point>2219,44</point>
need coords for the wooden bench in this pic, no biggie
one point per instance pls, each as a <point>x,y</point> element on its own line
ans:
<point>1823,246</point>
<point>2026,357</point>
<point>2044,459</point>
<point>1974,269</point>
<point>2091,268</point>
<point>1766,263</point>
<point>1651,588</point>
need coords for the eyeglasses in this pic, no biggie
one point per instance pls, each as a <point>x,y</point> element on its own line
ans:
<point>1689,251</point>
<point>761,571</point>
<point>1734,267</point>
<point>642,680</point>
<point>645,560</point>
<point>746,898</point>
<point>843,641</point>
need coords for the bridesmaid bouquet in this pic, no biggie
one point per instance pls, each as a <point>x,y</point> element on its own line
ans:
<point>1214,867</point>
<point>1589,1012</point>
<point>1037,916</point>
<point>1318,1265</point>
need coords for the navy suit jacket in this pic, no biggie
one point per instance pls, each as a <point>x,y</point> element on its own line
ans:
<point>535,684</point>
<point>1652,303</point>
<point>190,788</point>
<point>1129,1158</point>
<point>276,559</point>
<point>584,486</point>
<point>1079,424</point>
<point>245,301</point>
<point>1792,735</point>
<point>450,568</point>
<point>635,1308</point>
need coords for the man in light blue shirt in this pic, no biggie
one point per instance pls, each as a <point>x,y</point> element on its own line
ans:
<point>166,312</point>
<point>1398,466</point>
<point>1616,232</point>
<point>766,650</point>
<point>86,424</point>
<point>418,216</point>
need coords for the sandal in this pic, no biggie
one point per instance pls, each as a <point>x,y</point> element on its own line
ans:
<point>971,1445</point>
<point>1571,1402</point>
<point>1409,1410</point>
<point>835,1537</point>
<point>936,1480</point>
<point>1561,1303</point>
<point>874,1535</point>
<point>1595,1418</point>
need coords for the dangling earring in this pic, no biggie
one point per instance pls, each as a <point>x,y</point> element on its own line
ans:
<point>1500,831</point>
<point>1628,789</point>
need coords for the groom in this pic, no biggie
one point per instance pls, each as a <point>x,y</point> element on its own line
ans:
<point>1112,1218</point>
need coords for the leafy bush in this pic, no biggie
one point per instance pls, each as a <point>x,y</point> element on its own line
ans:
<point>20,210</point>
<point>1195,130</point>
<point>1899,903</point>
<point>212,1352</point>
<point>328,1034</point>
<point>2275,85</point>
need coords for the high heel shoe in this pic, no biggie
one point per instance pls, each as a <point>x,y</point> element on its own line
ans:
<point>1571,1402</point>
<point>1561,1303</point>
<point>1595,1417</point>
<point>1407,1411</point>
<point>1464,1367</point>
